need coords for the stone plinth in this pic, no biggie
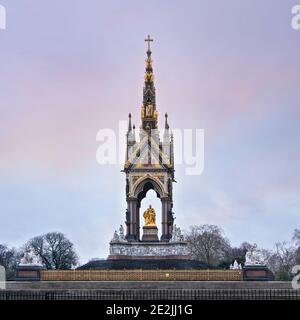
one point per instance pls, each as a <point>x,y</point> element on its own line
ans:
<point>28,272</point>
<point>257,273</point>
<point>138,266</point>
<point>150,234</point>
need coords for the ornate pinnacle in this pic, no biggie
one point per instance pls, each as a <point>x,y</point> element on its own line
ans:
<point>129,123</point>
<point>166,122</point>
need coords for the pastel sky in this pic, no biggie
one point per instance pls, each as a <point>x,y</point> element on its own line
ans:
<point>69,68</point>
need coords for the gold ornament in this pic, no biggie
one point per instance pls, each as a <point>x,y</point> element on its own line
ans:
<point>142,112</point>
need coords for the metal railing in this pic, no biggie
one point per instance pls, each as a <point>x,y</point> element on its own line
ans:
<point>153,294</point>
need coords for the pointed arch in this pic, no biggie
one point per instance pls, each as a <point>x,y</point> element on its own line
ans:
<point>144,184</point>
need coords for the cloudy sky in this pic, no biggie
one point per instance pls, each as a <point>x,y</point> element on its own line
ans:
<point>69,68</point>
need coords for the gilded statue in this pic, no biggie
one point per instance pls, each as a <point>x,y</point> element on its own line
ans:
<point>149,110</point>
<point>150,217</point>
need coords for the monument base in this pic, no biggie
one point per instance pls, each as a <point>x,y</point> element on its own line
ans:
<point>150,234</point>
<point>257,273</point>
<point>139,263</point>
<point>28,272</point>
<point>151,250</point>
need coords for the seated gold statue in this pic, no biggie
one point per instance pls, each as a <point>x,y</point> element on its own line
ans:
<point>149,216</point>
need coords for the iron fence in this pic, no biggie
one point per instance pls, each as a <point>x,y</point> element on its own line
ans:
<point>153,294</point>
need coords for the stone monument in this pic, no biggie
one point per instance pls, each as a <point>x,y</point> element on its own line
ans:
<point>235,266</point>
<point>149,164</point>
<point>255,268</point>
<point>29,267</point>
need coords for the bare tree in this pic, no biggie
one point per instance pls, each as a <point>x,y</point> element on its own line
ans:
<point>282,260</point>
<point>296,241</point>
<point>296,237</point>
<point>297,258</point>
<point>207,244</point>
<point>54,250</point>
<point>235,253</point>
<point>9,259</point>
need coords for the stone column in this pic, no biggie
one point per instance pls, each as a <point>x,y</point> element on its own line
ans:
<point>164,215</point>
<point>138,207</point>
<point>135,222</point>
<point>131,229</point>
<point>170,221</point>
<point>127,221</point>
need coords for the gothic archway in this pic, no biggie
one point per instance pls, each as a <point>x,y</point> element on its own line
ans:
<point>151,199</point>
<point>144,185</point>
<point>139,192</point>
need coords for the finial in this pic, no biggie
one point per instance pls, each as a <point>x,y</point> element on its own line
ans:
<point>148,39</point>
<point>166,123</point>
<point>129,123</point>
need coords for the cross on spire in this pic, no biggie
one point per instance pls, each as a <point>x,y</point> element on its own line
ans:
<point>148,39</point>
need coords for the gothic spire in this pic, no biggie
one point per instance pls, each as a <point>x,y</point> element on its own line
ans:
<point>129,123</point>
<point>166,137</point>
<point>133,133</point>
<point>148,112</point>
<point>130,132</point>
<point>166,122</point>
